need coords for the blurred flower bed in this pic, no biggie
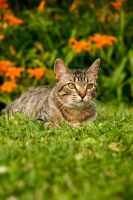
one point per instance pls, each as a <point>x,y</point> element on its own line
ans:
<point>77,32</point>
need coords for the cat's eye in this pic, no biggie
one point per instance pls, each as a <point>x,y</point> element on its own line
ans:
<point>71,85</point>
<point>89,86</point>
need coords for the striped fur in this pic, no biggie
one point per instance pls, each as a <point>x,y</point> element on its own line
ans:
<point>70,99</point>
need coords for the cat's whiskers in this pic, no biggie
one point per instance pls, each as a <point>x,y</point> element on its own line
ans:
<point>98,105</point>
<point>99,102</point>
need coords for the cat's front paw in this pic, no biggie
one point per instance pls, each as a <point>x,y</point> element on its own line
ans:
<point>51,124</point>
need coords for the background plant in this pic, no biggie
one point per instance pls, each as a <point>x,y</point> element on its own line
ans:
<point>78,32</point>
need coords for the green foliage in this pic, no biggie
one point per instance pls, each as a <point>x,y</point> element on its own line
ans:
<point>93,161</point>
<point>44,36</point>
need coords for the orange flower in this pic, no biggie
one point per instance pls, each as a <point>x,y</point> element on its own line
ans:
<point>2,37</point>
<point>8,86</point>
<point>42,6</point>
<point>102,40</point>
<point>36,72</point>
<point>4,4</point>
<point>4,64</point>
<point>73,7</point>
<point>117,4</point>
<point>14,72</point>
<point>13,20</point>
<point>57,16</point>
<point>80,46</point>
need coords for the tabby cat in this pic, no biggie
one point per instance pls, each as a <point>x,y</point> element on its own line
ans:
<point>72,97</point>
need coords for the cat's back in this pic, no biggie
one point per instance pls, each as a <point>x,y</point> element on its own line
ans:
<point>34,98</point>
<point>38,91</point>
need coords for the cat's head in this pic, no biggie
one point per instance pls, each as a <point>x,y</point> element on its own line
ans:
<point>77,87</point>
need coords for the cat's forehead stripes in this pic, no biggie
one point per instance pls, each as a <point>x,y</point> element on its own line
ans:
<point>80,75</point>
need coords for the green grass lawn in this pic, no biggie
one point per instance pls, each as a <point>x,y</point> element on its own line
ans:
<point>93,162</point>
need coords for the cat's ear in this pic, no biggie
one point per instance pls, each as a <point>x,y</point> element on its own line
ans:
<point>93,69</point>
<point>60,68</point>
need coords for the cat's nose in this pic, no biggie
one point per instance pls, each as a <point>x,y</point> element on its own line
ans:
<point>82,95</point>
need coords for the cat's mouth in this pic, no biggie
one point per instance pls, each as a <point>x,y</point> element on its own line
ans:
<point>79,104</point>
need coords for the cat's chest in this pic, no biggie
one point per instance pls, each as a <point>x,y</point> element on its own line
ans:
<point>76,116</point>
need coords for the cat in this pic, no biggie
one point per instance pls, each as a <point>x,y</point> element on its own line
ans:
<point>72,97</point>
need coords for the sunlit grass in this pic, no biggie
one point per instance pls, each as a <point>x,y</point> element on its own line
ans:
<point>91,162</point>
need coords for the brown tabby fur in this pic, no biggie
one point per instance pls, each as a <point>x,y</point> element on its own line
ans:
<point>69,99</point>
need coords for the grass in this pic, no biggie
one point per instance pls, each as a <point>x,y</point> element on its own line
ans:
<point>93,162</point>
